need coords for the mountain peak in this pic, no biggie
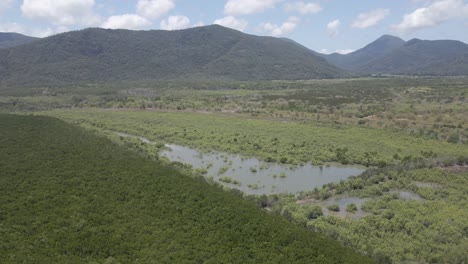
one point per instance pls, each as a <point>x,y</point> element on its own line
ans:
<point>389,38</point>
<point>376,49</point>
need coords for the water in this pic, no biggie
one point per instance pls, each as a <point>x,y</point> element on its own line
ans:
<point>343,202</point>
<point>407,195</point>
<point>258,177</point>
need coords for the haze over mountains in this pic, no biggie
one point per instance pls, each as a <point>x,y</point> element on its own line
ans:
<point>110,56</point>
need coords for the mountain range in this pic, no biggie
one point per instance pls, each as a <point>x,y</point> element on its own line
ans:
<point>94,55</point>
<point>392,55</point>
<point>102,55</point>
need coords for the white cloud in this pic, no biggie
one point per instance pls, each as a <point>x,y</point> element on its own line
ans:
<point>4,5</point>
<point>33,32</point>
<point>369,19</point>
<point>60,12</point>
<point>247,7</point>
<point>332,28</point>
<point>175,22</point>
<point>126,21</point>
<point>232,22</point>
<point>339,51</point>
<point>303,8</point>
<point>438,12</point>
<point>287,27</point>
<point>152,9</point>
<point>344,51</point>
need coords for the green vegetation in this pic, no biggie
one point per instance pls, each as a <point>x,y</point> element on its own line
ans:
<point>429,228</point>
<point>227,179</point>
<point>392,55</point>
<point>351,208</point>
<point>104,56</point>
<point>269,140</point>
<point>67,196</point>
<point>410,204</point>
<point>334,207</point>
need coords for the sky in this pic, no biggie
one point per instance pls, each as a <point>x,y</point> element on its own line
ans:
<point>322,25</point>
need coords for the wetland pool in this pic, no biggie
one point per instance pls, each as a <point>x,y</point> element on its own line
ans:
<point>254,176</point>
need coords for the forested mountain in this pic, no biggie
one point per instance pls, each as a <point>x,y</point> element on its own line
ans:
<point>357,59</point>
<point>392,55</point>
<point>102,56</point>
<point>68,196</point>
<point>423,57</point>
<point>8,40</point>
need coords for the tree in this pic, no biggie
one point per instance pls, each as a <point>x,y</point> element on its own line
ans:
<point>315,212</point>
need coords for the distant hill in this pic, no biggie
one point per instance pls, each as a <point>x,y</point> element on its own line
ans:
<point>359,58</point>
<point>392,55</point>
<point>423,57</point>
<point>9,40</point>
<point>103,55</point>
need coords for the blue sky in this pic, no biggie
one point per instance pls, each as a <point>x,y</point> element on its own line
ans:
<point>322,25</point>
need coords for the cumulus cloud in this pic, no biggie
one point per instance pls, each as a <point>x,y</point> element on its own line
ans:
<point>247,7</point>
<point>339,51</point>
<point>60,12</point>
<point>152,9</point>
<point>279,30</point>
<point>175,22</point>
<point>436,13</point>
<point>369,19</point>
<point>332,28</point>
<point>303,8</point>
<point>232,22</point>
<point>126,21</point>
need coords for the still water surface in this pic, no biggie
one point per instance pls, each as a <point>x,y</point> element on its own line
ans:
<point>258,177</point>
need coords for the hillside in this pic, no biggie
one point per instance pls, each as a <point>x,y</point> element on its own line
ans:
<point>357,59</point>
<point>67,196</point>
<point>423,57</point>
<point>111,56</point>
<point>392,55</point>
<point>9,40</point>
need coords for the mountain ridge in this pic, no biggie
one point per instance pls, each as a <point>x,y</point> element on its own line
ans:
<point>392,55</point>
<point>97,55</point>
<point>12,39</point>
